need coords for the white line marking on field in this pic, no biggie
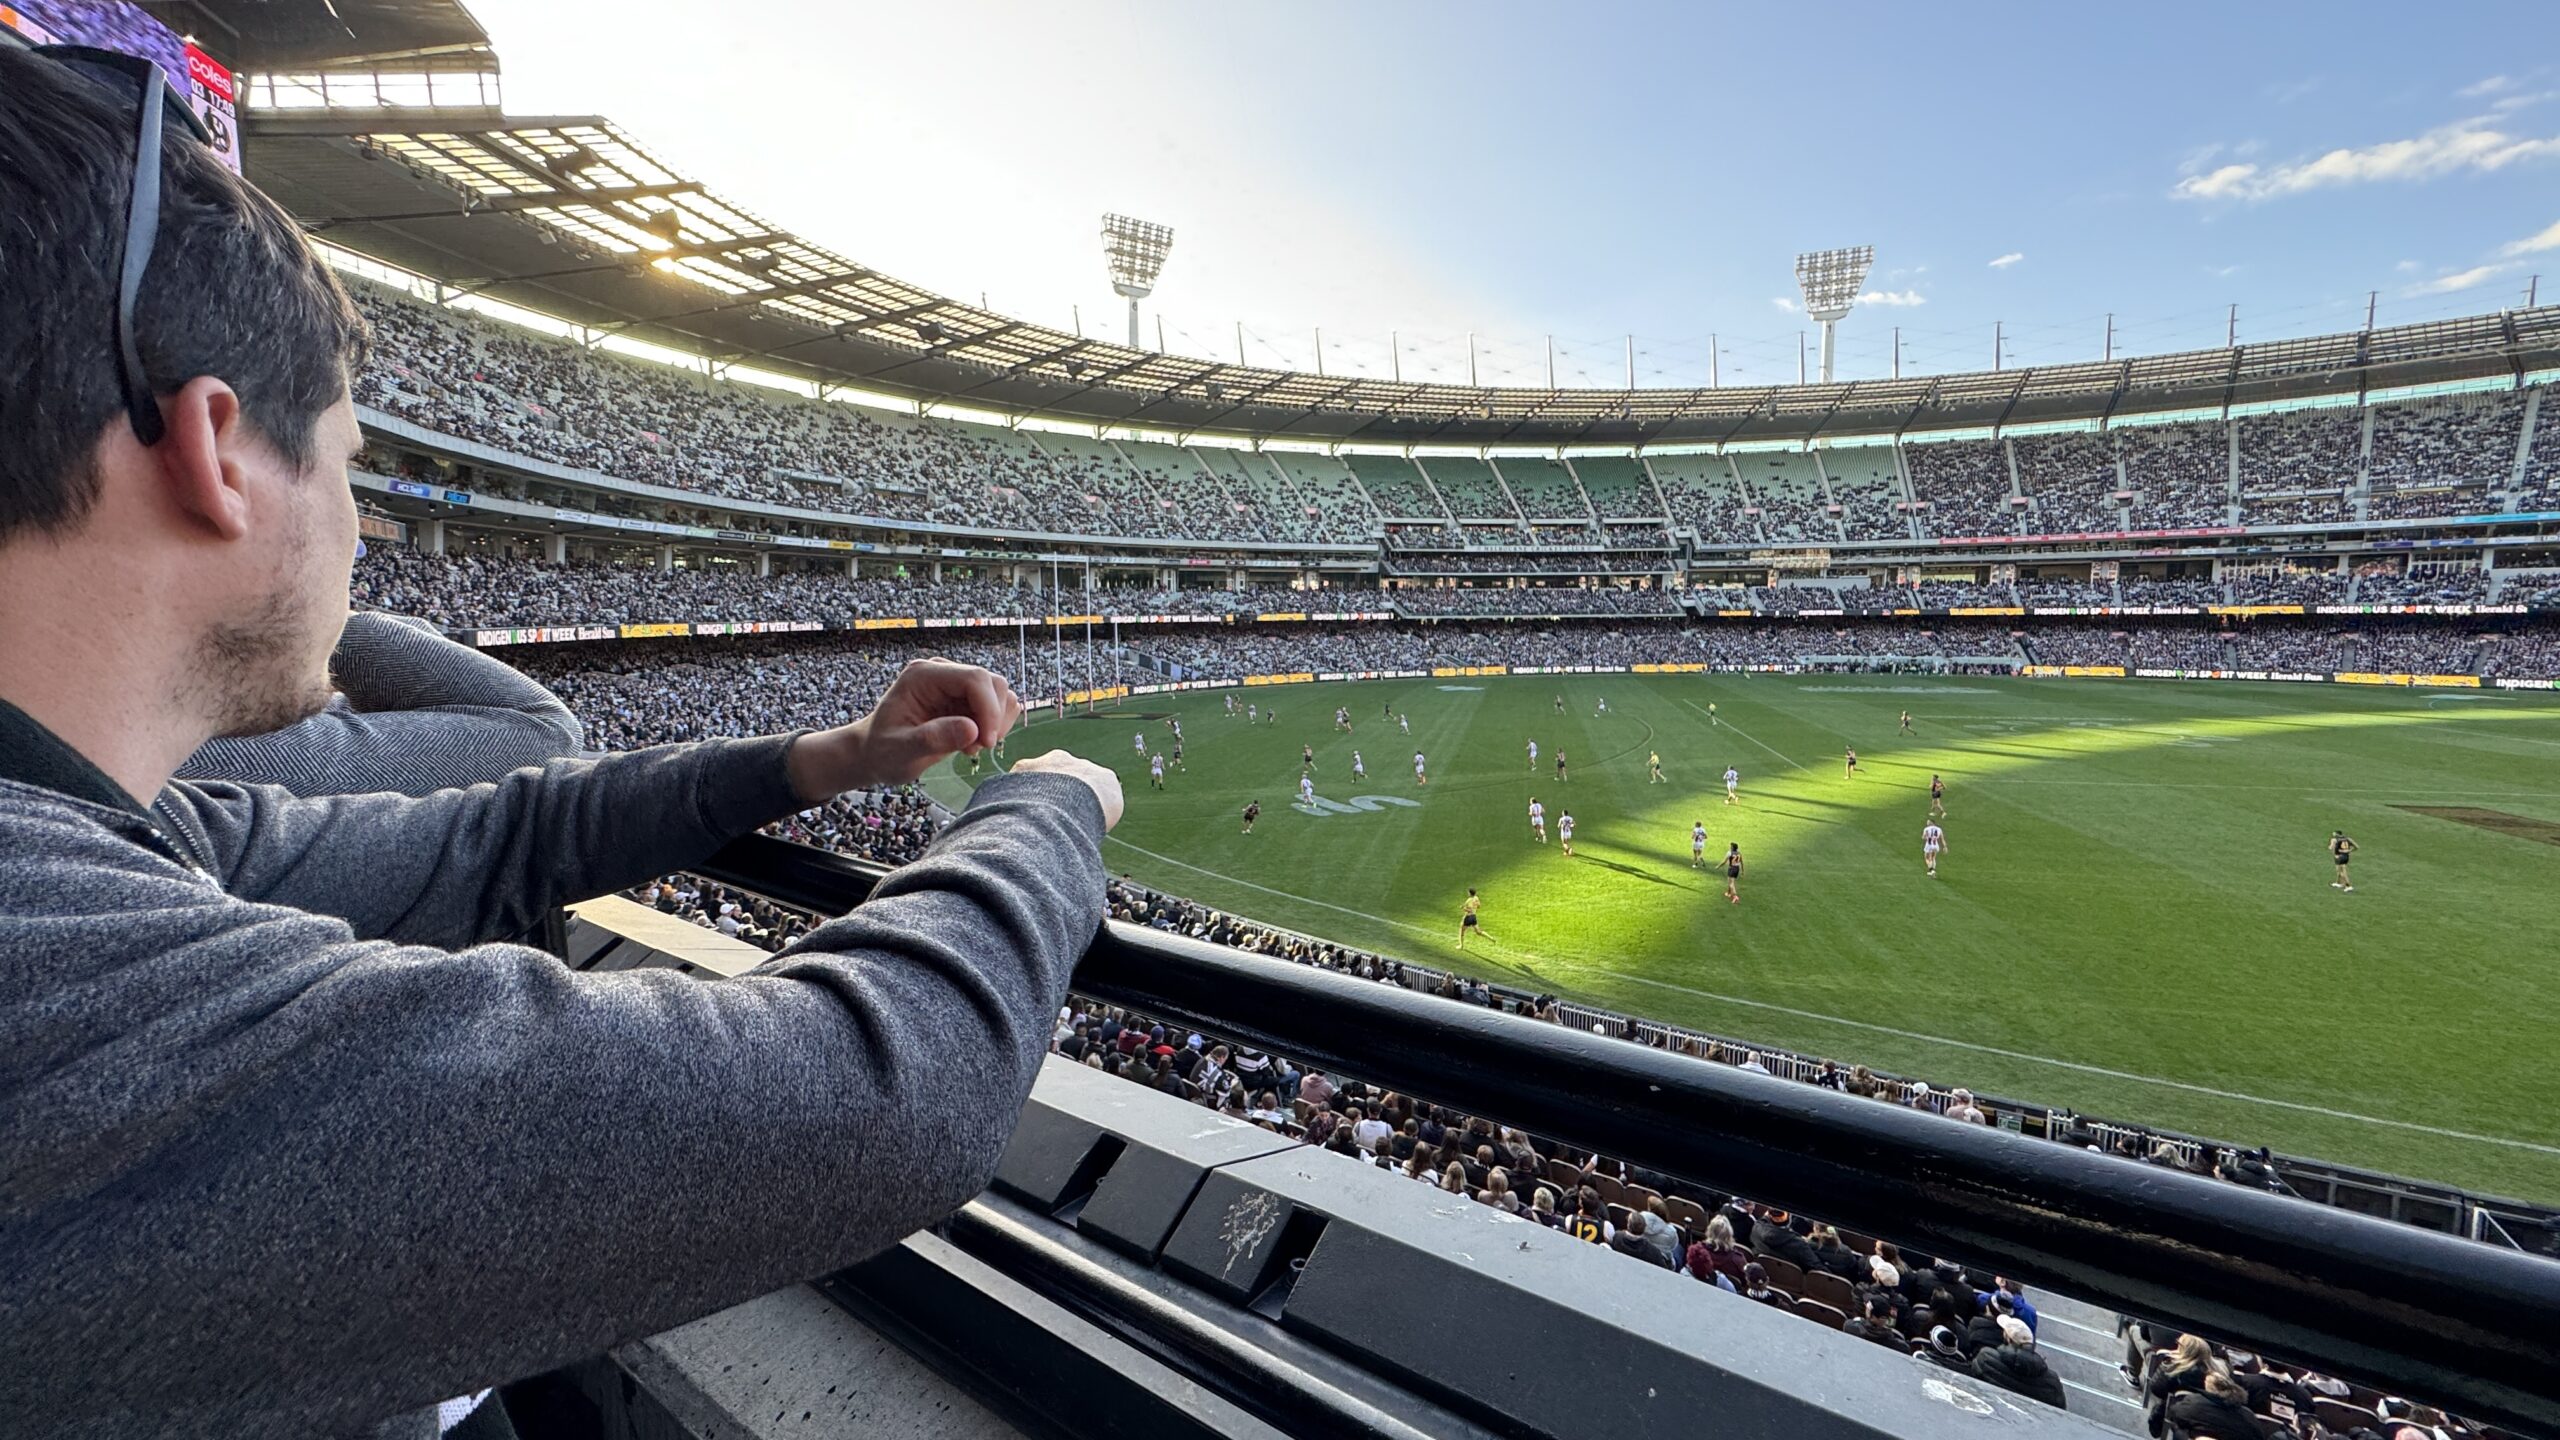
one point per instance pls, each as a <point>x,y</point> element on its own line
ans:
<point>1816,1015</point>
<point>1723,724</point>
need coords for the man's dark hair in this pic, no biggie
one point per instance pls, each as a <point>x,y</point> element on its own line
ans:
<point>233,291</point>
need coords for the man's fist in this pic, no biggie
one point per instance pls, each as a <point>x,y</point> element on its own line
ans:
<point>934,710</point>
<point>1104,783</point>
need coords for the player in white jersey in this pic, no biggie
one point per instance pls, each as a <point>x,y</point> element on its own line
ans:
<point>1533,755</point>
<point>1564,831</point>
<point>1253,714</point>
<point>1403,724</point>
<point>1155,770</point>
<point>1732,782</point>
<point>1139,741</point>
<point>1603,710</point>
<point>1933,841</point>
<point>1698,845</point>
<point>1538,820</point>
<point>1231,707</point>
<point>1359,771</point>
<point>1306,790</point>
<point>1419,778</point>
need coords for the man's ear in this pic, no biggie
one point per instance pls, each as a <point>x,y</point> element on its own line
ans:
<point>204,457</point>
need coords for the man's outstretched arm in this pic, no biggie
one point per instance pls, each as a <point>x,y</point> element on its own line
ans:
<point>375,1175</point>
<point>459,867</point>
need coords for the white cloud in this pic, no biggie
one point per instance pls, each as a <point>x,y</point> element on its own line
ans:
<point>2490,86</point>
<point>2407,267</point>
<point>2464,145</point>
<point>2291,91</point>
<point>1893,297</point>
<point>2547,239</point>
<point>1783,303</point>
<point>2459,280</point>
<point>2005,261</point>
<point>2222,272</point>
<point>2523,102</point>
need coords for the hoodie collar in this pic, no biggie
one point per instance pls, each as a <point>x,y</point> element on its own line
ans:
<point>32,755</point>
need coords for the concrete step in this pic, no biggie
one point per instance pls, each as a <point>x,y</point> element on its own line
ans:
<point>2112,1407</point>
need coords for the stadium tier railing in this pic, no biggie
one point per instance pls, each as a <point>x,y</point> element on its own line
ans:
<point>2435,1317</point>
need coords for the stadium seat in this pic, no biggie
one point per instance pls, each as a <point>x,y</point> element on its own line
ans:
<point>1564,1173</point>
<point>2339,1415</point>
<point>1637,1195</point>
<point>2274,1429</point>
<point>1610,1190</point>
<point>1784,1274</point>
<point>1831,1290</point>
<point>1829,1317</point>
<point>1686,1213</point>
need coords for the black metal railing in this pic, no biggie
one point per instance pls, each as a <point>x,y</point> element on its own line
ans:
<point>2444,1320</point>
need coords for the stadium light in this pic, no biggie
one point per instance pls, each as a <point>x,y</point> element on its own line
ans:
<point>1136,251</point>
<point>1830,281</point>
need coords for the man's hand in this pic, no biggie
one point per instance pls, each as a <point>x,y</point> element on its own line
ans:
<point>1104,782</point>
<point>934,710</point>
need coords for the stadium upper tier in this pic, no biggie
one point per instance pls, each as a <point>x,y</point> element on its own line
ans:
<point>572,217</point>
<point>549,400</point>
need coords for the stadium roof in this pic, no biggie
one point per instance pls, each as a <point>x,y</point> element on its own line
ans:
<point>572,217</point>
<point>313,35</point>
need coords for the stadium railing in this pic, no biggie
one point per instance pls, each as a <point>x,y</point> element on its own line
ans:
<point>2435,1317</point>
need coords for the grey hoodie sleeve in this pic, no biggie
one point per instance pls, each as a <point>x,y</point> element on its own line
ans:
<point>371,1176</point>
<point>416,713</point>
<point>457,867</point>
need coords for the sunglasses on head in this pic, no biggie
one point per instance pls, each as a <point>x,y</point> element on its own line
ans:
<point>136,78</point>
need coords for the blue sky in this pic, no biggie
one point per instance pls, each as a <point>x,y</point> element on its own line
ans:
<point>1596,171</point>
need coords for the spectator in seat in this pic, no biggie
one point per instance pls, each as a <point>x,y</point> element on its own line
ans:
<point>1960,1106</point>
<point>2218,1411</point>
<point>1316,1089</point>
<point>1648,1239</point>
<point>275,1029</point>
<point>1756,1286</point>
<point>1453,1179</point>
<point>1875,1323</point>
<point>1589,1223</point>
<point>1367,1130</point>
<point>2013,1364</point>
<point>1497,1192</point>
<point>2182,1369</point>
<point>1542,1208</point>
<point>2008,1297</point>
<point>1836,1256</point>
<point>1715,1251</point>
<point>1791,1242</point>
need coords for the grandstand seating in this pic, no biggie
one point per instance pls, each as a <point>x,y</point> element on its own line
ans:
<point>1618,487</point>
<point>1704,498</point>
<point>1468,486</point>
<point>1400,491</point>
<point>2180,475</point>
<point>2071,481</point>
<point>2300,451</point>
<point>1787,486</point>
<point>1868,488</point>
<point>1966,485</point>
<point>1546,489</point>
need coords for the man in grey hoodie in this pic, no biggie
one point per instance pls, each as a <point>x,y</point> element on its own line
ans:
<point>285,1148</point>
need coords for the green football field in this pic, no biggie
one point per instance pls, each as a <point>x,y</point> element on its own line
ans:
<point>2134,916</point>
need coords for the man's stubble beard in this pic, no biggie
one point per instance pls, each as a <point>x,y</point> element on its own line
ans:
<point>257,667</point>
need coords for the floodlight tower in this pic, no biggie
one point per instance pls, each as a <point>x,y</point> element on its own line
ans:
<point>1136,251</point>
<point>1830,281</point>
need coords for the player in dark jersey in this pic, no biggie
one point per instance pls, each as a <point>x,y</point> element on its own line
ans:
<point>1853,763</point>
<point>1177,756</point>
<point>1307,754</point>
<point>1733,872</point>
<point>2340,847</point>
<point>1559,704</point>
<point>1252,812</point>
<point>1906,722</point>
<point>1560,776</point>
<point>1938,796</point>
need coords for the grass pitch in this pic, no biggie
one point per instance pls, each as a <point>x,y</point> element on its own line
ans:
<point>2134,916</point>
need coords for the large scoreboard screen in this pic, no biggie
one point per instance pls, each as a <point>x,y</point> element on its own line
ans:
<point>119,25</point>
